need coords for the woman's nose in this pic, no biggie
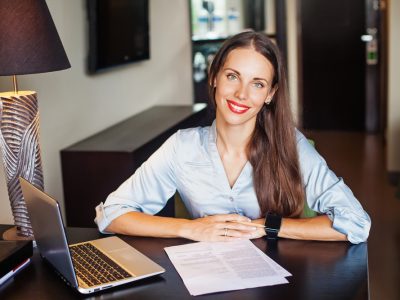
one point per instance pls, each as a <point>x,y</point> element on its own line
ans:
<point>241,92</point>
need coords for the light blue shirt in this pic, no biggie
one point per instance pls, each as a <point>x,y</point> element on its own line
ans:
<point>189,162</point>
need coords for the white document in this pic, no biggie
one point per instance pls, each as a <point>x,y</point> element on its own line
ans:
<point>209,267</point>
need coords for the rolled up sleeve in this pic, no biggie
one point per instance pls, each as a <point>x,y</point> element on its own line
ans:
<point>358,222</point>
<point>328,194</point>
<point>105,214</point>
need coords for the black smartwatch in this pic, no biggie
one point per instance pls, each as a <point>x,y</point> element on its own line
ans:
<point>272,225</point>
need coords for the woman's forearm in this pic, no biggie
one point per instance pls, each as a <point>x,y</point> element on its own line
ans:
<point>140,224</point>
<point>317,228</point>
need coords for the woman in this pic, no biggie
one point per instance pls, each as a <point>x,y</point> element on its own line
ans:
<point>250,167</point>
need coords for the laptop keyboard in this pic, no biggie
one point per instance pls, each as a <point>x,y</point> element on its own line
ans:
<point>93,267</point>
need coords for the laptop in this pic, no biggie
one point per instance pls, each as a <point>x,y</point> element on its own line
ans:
<point>89,266</point>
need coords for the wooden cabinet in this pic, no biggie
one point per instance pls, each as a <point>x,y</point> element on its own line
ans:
<point>96,166</point>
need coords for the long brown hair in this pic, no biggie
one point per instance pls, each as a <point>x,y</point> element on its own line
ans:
<point>272,148</point>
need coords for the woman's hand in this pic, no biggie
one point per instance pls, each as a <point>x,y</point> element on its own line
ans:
<point>220,228</point>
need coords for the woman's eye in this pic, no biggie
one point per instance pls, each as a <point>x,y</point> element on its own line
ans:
<point>258,85</point>
<point>231,77</point>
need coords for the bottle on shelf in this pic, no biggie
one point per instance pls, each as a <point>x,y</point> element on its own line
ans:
<point>202,23</point>
<point>233,21</point>
<point>219,23</point>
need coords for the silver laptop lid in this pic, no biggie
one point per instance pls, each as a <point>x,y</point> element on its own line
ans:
<point>48,229</point>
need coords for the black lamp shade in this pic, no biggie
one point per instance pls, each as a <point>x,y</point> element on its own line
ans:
<point>29,42</point>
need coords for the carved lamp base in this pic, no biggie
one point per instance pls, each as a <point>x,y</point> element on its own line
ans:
<point>19,143</point>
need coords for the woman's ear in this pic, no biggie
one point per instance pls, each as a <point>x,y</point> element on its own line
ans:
<point>213,84</point>
<point>272,93</point>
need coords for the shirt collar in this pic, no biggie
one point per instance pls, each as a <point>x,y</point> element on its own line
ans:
<point>212,148</point>
<point>212,138</point>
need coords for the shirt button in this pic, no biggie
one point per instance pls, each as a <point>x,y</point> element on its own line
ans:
<point>231,199</point>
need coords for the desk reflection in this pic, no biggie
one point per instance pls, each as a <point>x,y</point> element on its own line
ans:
<point>320,267</point>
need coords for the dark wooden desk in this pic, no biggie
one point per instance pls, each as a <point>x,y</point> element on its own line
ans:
<point>321,270</point>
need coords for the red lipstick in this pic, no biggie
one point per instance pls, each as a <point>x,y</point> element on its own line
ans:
<point>237,108</point>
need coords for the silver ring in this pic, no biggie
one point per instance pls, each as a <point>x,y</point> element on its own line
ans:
<point>226,232</point>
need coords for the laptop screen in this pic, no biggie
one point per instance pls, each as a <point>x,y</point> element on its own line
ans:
<point>48,227</point>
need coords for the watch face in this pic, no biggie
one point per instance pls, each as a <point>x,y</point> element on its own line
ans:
<point>272,225</point>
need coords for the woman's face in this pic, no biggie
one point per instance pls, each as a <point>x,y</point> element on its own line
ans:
<point>243,86</point>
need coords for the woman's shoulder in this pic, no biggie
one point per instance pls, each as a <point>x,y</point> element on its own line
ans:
<point>300,137</point>
<point>306,149</point>
<point>192,135</point>
<point>191,144</point>
<point>303,143</point>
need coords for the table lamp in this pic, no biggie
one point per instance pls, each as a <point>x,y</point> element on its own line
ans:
<point>29,43</point>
